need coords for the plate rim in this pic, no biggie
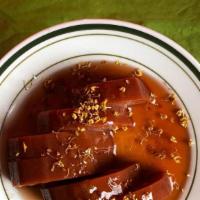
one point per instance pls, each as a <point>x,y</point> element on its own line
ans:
<point>84,24</point>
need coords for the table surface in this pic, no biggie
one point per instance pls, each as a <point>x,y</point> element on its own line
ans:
<point>179,20</point>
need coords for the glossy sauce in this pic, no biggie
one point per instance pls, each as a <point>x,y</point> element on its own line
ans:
<point>157,127</point>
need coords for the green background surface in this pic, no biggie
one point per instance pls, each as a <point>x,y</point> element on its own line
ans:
<point>177,19</point>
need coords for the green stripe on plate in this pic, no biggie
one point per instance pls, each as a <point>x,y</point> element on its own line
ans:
<point>105,27</point>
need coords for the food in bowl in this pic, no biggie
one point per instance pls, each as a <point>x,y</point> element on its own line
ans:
<point>100,130</point>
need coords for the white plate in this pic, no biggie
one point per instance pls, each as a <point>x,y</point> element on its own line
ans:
<point>84,40</point>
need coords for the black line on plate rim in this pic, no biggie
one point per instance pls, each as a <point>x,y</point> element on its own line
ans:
<point>98,35</point>
<point>93,26</point>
